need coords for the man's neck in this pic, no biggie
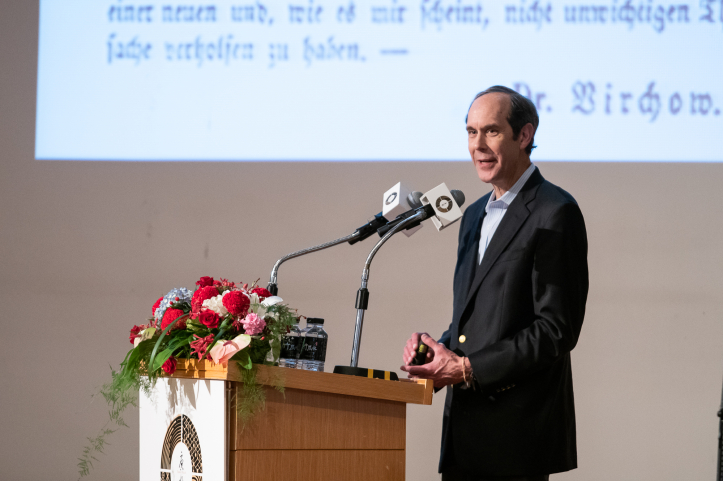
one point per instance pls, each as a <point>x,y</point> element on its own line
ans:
<point>501,188</point>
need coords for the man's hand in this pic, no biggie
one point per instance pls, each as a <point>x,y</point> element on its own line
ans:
<point>444,368</point>
<point>410,350</point>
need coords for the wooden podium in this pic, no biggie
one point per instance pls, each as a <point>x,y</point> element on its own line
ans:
<point>324,427</point>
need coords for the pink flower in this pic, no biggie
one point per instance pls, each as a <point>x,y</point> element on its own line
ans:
<point>200,346</point>
<point>253,324</point>
<point>170,365</point>
<point>222,351</point>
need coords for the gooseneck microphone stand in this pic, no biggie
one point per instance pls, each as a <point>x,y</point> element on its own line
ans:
<point>363,232</point>
<point>273,288</point>
<point>362,298</point>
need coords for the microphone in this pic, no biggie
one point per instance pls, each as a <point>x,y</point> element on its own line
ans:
<point>414,199</point>
<point>398,200</point>
<point>441,204</point>
<point>446,204</point>
<point>395,201</point>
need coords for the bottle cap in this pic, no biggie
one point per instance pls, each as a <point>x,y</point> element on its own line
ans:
<point>314,320</point>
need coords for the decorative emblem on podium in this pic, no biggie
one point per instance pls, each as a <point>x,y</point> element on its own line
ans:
<point>181,456</point>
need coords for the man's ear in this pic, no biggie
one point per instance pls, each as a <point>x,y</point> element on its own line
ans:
<point>526,134</point>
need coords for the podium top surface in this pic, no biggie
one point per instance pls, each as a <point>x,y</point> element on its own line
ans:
<point>414,392</point>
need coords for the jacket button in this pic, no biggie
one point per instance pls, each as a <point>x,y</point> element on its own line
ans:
<point>462,338</point>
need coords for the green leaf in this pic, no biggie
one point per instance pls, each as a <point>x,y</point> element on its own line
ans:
<point>160,339</point>
<point>243,358</point>
<point>135,356</point>
<point>127,355</point>
<point>179,341</point>
<point>275,349</point>
<point>161,358</point>
<point>221,332</point>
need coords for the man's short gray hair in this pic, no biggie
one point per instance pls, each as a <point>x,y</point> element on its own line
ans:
<point>522,112</point>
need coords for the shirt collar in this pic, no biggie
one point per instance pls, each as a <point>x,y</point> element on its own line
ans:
<point>510,195</point>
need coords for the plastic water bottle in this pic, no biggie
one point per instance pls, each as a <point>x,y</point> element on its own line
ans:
<point>313,353</point>
<point>302,336</point>
<point>290,347</point>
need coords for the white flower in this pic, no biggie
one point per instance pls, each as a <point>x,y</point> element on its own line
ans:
<point>254,298</point>
<point>216,304</point>
<point>268,302</point>
<point>144,334</point>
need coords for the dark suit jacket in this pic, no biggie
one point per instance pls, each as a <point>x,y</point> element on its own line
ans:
<point>521,312</point>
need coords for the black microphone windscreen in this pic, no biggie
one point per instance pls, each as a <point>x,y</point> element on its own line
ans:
<point>458,196</point>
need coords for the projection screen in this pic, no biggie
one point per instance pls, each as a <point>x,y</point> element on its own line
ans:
<point>613,80</point>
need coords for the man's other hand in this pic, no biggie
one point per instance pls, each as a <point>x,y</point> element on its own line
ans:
<point>444,368</point>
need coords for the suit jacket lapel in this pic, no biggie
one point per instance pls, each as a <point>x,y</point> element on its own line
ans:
<point>515,216</point>
<point>469,262</point>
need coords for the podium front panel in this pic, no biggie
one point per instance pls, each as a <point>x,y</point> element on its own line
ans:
<point>307,435</point>
<point>183,431</point>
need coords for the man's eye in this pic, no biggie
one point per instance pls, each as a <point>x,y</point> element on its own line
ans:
<point>491,132</point>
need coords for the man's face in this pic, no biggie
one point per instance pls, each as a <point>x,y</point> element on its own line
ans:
<point>498,158</point>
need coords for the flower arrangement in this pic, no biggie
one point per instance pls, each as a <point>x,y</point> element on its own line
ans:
<point>220,321</point>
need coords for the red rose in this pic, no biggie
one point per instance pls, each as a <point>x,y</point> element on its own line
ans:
<point>171,315</point>
<point>170,365</point>
<point>209,319</point>
<point>237,303</point>
<point>135,331</point>
<point>261,292</point>
<point>204,281</point>
<point>199,296</point>
<point>155,306</point>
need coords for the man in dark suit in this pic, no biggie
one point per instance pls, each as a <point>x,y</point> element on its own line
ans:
<point>520,288</point>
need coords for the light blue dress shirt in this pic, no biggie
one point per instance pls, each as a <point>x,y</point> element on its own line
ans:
<point>496,210</point>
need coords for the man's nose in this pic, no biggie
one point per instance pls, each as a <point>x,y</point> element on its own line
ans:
<point>479,143</point>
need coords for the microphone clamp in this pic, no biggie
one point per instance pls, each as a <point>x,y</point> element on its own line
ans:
<point>368,229</point>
